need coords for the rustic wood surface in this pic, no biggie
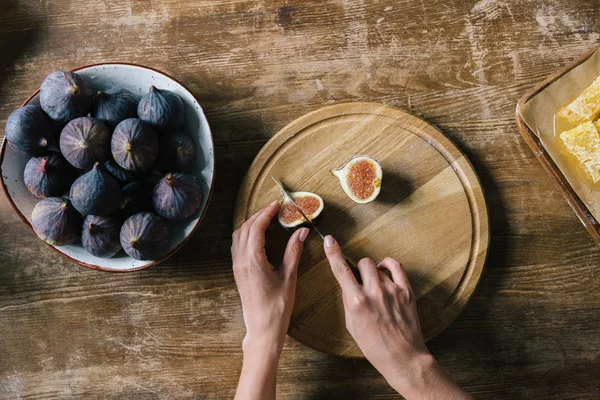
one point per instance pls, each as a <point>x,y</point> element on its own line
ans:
<point>430,213</point>
<point>531,330</point>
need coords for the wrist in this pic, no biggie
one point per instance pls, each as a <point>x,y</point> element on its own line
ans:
<point>413,378</point>
<point>262,349</point>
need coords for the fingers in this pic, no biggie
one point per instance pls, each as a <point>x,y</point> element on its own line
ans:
<point>368,271</point>
<point>397,271</point>
<point>256,237</point>
<point>240,236</point>
<point>340,269</point>
<point>293,251</point>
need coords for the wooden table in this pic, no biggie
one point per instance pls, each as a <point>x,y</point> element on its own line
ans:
<point>532,329</point>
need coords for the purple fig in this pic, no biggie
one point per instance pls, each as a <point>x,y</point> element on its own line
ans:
<point>96,193</point>
<point>29,130</point>
<point>177,196</point>
<point>115,105</point>
<point>161,108</point>
<point>177,152</point>
<point>134,145</point>
<point>145,236</point>
<point>49,175</point>
<point>55,221</point>
<point>85,141</point>
<point>100,235</point>
<point>65,96</point>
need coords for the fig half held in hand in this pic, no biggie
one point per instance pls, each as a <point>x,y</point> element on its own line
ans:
<point>161,108</point>
<point>29,130</point>
<point>145,236</point>
<point>115,105</point>
<point>48,175</point>
<point>85,141</point>
<point>65,95</point>
<point>96,192</point>
<point>311,205</point>
<point>55,221</point>
<point>134,145</point>
<point>100,235</point>
<point>360,178</point>
<point>177,196</point>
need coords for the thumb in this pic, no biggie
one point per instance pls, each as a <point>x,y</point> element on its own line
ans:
<point>293,251</point>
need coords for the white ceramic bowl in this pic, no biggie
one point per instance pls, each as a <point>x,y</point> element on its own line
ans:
<point>137,79</point>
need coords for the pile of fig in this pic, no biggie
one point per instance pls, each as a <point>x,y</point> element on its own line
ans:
<point>111,170</point>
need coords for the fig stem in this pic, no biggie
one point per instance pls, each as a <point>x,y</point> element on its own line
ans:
<point>44,162</point>
<point>169,178</point>
<point>133,243</point>
<point>127,146</point>
<point>75,89</point>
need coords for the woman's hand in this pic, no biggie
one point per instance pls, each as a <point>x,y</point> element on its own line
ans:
<point>381,315</point>
<point>267,295</point>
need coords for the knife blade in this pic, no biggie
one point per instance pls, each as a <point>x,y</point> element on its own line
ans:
<point>289,197</point>
<point>351,264</point>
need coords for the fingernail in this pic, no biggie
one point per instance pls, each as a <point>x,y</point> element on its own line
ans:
<point>273,203</point>
<point>303,234</point>
<point>329,241</point>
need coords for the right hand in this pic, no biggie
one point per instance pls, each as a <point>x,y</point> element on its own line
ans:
<point>381,315</point>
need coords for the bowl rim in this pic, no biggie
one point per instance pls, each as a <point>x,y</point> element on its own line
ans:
<point>178,246</point>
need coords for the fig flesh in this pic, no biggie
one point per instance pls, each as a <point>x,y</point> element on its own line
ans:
<point>96,193</point>
<point>29,130</point>
<point>49,175</point>
<point>134,145</point>
<point>145,236</point>
<point>311,205</point>
<point>161,108</point>
<point>100,235</point>
<point>177,152</point>
<point>85,141</point>
<point>360,178</point>
<point>115,105</point>
<point>65,96</point>
<point>55,221</point>
<point>177,196</point>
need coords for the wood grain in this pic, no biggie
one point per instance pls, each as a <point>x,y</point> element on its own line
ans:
<point>530,329</point>
<point>431,213</point>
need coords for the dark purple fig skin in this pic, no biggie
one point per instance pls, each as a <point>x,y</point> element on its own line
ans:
<point>136,197</point>
<point>177,152</point>
<point>100,235</point>
<point>145,236</point>
<point>161,108</point>
<point>29,130</point>
<point>177,196</point>
<point>96,193</point>
<point>49,175</point>
<point>55,221</point>
<point>115,105</point>
<point>122,175</point>
<point>65,95</point>
<point>84,142</point>
<point>134,145</point>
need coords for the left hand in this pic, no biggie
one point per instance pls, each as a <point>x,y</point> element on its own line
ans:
<point>267,293</point>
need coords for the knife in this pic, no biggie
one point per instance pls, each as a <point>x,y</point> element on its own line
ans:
<point>312,225</point>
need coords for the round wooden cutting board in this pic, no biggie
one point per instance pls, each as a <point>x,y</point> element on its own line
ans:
<point>430,215</point>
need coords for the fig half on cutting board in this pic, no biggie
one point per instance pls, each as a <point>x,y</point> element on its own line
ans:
<point>360,178</point>
<point>311,205</point>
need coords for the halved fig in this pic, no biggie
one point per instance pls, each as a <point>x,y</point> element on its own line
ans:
<point>311,205</point>
<point>360,178</point>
